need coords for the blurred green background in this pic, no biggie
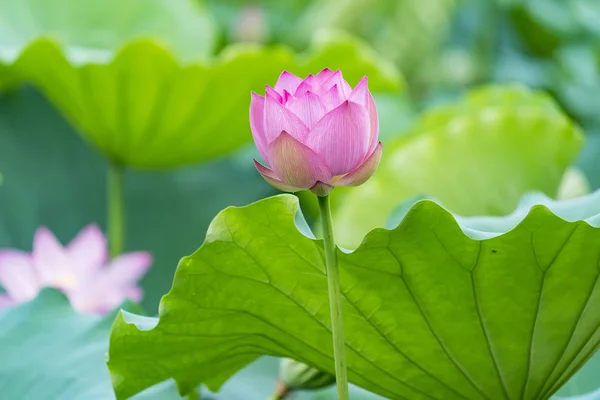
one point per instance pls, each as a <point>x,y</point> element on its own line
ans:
<point>434,50</point>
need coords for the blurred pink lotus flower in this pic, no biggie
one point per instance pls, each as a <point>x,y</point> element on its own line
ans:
<point>251,25</point>
<point>316,133</point>
<point>81,270</point>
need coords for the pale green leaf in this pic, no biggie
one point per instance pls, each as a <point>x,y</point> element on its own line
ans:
<point>146,109</point>
<point>510,310</point>
<point>477,156</point>
<point>49,351</point>
<point>585,385</point>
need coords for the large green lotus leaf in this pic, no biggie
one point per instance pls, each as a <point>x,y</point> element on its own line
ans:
<point>49,351</point>
<point>146,109</point>
<point>510,310</point>
<point>478,156</point>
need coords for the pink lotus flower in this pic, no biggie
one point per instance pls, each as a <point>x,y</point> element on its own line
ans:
<point>81,270</point>
<point>316,133</point>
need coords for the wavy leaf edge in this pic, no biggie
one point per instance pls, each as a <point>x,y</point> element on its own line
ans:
<point>536,204</point>
<point>391,79</point>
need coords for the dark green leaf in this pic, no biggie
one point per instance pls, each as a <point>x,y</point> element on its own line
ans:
<point>509,311</point>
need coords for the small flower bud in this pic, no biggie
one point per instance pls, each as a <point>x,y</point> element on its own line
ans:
<point>294,375</point>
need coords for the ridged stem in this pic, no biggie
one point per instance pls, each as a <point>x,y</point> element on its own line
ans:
<point>335,299</point>
<point>116,209</point>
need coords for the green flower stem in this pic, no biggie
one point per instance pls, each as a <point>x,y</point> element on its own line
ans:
<point>116,209</point>
<point>335,299</point>
<point>281,393</point>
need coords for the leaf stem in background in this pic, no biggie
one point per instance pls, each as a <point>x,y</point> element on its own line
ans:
<point>116,209</point>
<point>193,395</point>
<point>335,299</point>
<point>281,392</point>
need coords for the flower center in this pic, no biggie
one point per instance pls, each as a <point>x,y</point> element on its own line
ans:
<point>65,281</point>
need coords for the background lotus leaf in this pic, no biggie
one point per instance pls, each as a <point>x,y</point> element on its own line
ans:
<point>477,156</point>
<point>146,109</point>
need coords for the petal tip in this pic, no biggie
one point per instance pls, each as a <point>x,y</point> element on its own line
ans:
<point>146,258</point>
<point>43,236</point>
<point>287,74</point>
<point>363,81</point>
<point>364,171</point>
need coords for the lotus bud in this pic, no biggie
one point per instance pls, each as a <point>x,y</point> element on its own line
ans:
<point>316,133</point>
<point>294,375</point>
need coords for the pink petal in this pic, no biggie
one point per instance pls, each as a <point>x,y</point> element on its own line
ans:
<point>308,107</point>
<point>323,76</point>
<point>113,298</point>
<point>134,293</point>
<point>277,118</point>
<point>129,267</point>
<point>17,275</point>
<point>6,301</point>
<point>257,112</point>
<point>96,297</point>
<point>333,98</point>
<point>360,94</point>
<point>364,171</point>
<point>296,164</point>
<point>341,137</point>
<point>51,261</point>
<point>307,85</point>
<point>286,97</point>
<point>103,294</point>
<point>272,179</point>
<point>88,250</point>
<point>337,79</point>
<point>287,81</point>
<point>270,92</point>
<point>374,123</point>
